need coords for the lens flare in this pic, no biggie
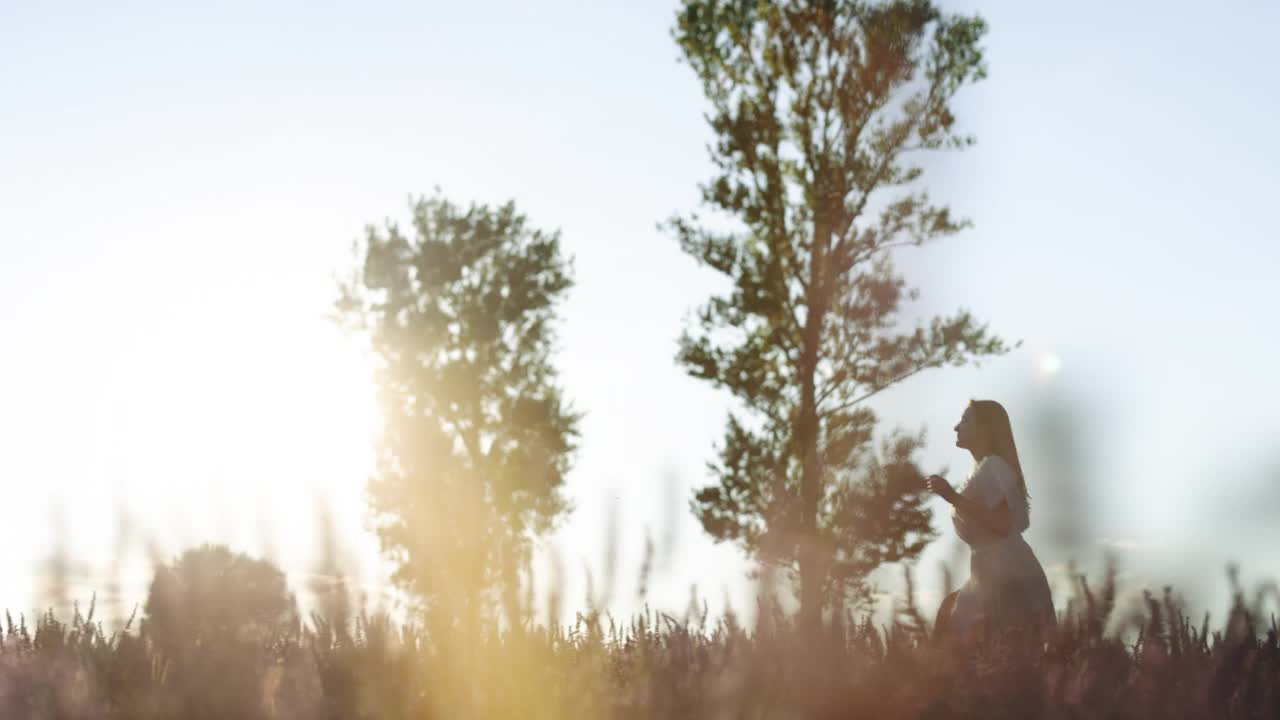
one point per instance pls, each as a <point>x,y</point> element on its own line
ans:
<point>1048,364</point>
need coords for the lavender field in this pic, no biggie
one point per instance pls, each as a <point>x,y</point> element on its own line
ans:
<point>232,659</point>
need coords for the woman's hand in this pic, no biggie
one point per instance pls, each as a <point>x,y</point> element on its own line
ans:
<point>939,486</point>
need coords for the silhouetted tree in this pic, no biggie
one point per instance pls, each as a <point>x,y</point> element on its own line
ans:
<point>476,435</point>
<point>212,613</point>
<point>211,593</point>
<point>816,109</point>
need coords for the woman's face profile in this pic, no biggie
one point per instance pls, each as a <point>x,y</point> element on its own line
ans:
<point>968,433</point>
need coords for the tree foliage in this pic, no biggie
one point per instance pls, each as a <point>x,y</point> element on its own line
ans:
<point>819,112</point>
<point>476,436</point>
<point>211,594</point>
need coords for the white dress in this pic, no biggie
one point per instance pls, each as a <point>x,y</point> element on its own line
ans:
<point>1006,586</point>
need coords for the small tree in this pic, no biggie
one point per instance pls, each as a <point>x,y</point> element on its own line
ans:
<point>211,594</point>
<point>817,109</point>
<point>220,620</point>
<point>476,435</point>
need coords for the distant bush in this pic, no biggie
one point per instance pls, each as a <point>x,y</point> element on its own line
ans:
<point>218,623</point>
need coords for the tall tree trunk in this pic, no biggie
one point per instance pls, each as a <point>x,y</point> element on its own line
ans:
<point>811,565</point>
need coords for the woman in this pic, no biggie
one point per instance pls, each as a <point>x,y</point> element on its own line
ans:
<point>1007,588</point>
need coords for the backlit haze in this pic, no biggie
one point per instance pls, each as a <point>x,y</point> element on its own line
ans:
<point>179,189</point>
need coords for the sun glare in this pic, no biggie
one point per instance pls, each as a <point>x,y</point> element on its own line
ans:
<point>244,438</point>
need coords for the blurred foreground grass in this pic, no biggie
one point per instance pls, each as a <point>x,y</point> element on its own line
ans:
<point>1154,663</point>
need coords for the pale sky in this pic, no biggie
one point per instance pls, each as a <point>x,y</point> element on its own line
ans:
<point>179,187</point>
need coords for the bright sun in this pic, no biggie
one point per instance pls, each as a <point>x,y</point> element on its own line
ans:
<point>244,435</point>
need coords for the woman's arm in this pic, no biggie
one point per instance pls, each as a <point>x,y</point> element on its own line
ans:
<point>995,519</point>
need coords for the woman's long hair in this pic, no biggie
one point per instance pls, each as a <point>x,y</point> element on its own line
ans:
<point>992,416</point>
